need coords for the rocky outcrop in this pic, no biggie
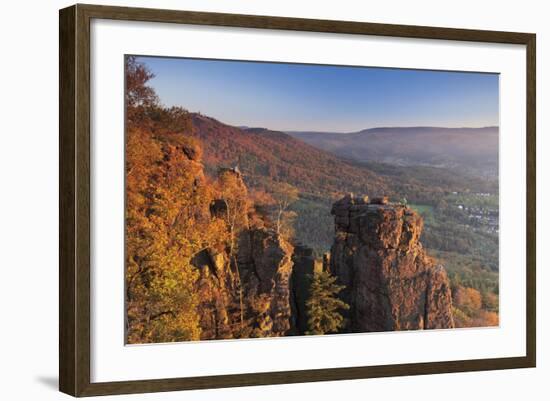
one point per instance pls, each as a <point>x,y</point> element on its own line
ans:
<point>244,287</point>
<point>265,266</point>
<point>216,286</point>
<point>390,281</point>
<point>244,280</point>
<point>249,295</point>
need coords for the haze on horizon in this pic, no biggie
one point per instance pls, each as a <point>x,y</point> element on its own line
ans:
<point>305,97</point>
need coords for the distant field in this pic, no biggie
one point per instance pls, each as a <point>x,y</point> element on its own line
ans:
<point>489,201</point>
<point>426,211</point>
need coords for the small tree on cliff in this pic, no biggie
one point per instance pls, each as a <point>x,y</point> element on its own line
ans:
<point>323,306</point>
<point>272,207</point>
<point>284,195</point>
<point>235,194</point>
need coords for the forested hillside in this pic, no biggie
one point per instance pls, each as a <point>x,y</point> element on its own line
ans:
<point>266,156</point>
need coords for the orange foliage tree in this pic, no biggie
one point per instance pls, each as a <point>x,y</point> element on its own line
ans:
<point>167,219</point>
<point>470,308</point>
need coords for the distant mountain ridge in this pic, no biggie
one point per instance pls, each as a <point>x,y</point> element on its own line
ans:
<point>388,128</point>
<point>473,149</point>
<point>265,155</point>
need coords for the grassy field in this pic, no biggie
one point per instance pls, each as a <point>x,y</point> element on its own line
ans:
<point>426,211</point>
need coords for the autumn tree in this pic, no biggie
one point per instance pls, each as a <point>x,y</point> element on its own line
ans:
<point>471,308</point>
<point>167,220</point>
<point>138,95</point>
<point>137,92</point>
<point>234,194</point>
<point>324,306</point>
<point>263,201</point>
<point>161,301</point>
<point>468,299</point>
<point>284,195</point>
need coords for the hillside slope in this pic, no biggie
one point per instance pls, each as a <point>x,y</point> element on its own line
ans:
<point>263,155</point>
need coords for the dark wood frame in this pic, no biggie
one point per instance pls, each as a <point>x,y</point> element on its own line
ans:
<point>74,199</point>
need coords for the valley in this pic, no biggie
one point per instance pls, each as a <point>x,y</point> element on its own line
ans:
<point>459,208</point>
<point>472,150</point>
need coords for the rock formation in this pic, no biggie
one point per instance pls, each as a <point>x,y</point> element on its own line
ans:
<point>259,286</point>
<point>391,283</point>
<point>265,266</point>
<point>250,295</point>
<point>216,286</point>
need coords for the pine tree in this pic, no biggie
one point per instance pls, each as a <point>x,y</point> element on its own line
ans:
<point>323,306</point>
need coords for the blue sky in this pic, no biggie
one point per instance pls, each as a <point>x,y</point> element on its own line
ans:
<point>325,98</point>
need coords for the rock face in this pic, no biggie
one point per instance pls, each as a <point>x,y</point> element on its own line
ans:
<point>265,265</point>
<point>216,286</point>
<point>244,280</point>
<point>391,283</point>
<point>250,295</point>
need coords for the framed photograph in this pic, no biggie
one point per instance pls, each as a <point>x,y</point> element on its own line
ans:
<point>250,200</point>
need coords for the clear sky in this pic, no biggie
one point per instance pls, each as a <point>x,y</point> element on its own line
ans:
<point>325,98</point>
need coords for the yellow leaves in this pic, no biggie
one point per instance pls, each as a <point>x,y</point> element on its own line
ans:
<point>467,298</point>
<point>488,319</point>
<point>470,308</point>
<point>167,222</point>
<point>161,171</point>
<point>161,237</point>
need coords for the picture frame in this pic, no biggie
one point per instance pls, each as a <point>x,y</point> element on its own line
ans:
<point>76,199</point>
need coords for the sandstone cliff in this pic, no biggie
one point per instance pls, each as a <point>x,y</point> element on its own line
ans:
<point>391,283</point>
<point>249,296</point>
<point>259,288</point>
<point>244,286</point>
<point>265,265</point>
<point>216,287</point>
